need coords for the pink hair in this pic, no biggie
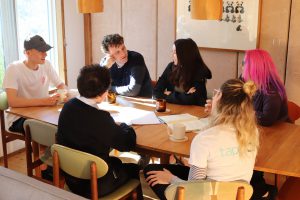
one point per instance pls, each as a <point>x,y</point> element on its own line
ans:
<point>259,67</point>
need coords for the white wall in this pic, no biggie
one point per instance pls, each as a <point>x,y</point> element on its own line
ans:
<point>74,33</point>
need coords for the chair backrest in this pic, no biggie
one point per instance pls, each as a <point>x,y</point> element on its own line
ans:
<point>77,163</point>
<point>3,101</point>
<point>192,190</point>
<point>294,111</point>
<point>3,106</point>
<point>41,132</point>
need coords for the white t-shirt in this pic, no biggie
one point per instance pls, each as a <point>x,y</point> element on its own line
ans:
<point>29,83</point>
<point>216,149</point>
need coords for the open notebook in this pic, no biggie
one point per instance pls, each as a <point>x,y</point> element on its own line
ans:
<point>191,122</point>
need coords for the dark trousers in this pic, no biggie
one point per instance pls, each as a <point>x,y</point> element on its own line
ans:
<point>17,126</point>
<point>119,173</point>
<point>259,185</point>
<point>180,171</point>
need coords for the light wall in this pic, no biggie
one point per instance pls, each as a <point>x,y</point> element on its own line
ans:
<point>74,41</point>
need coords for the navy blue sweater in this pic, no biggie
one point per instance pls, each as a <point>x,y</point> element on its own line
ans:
<point>133,79</point>
<point>270,108</point>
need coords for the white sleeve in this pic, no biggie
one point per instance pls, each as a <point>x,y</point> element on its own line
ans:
<point>53,76</point>
<point>199,152</point>
<point>11,78</point>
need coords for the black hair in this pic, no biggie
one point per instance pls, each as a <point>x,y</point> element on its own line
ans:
<point>189,64</point>
<point>93,81</point>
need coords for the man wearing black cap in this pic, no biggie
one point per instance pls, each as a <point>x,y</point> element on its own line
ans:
<point>27,81</point>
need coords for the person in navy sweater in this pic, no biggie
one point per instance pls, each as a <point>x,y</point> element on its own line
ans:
<point>129,73</point>
<point>84,126</point>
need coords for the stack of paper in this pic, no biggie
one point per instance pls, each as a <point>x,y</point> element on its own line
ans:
<point>192,123</point>
<point>130,115</point>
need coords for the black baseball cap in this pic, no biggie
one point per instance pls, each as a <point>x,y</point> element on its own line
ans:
<point>36,42</point>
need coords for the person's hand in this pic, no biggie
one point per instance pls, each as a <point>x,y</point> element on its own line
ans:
<point>208,104</point>
<point>216,99</point>
<point>166,92</point>
<point>191,90</point>
<point>107,61</point>
<point>159,177</point>
<point>51,101</point>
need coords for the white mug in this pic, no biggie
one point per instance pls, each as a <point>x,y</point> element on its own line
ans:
<point>176,131</point>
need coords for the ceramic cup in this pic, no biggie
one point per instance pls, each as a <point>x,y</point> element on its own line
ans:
<point>161,105</point>
<point>176,131</point>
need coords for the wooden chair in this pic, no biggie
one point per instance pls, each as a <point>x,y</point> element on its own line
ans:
<point>294,111</point>
<point>87,166</point>
<point>38,133</point>
<point>7,136</point>
<point>193,190</point>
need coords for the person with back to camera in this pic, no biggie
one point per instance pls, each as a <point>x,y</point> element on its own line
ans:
<point>184,79</point>
<point>233,126</point>
<point>84,126</point>
<point>129,73</point>
<point>270,105</point>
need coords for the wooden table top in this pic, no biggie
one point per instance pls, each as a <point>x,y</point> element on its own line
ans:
<point>279,144</point>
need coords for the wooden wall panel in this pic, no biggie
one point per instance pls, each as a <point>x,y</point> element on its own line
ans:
<point>139,28</point>
<point>223,65</point>
<point>108,22</point>
<point>293,62</point>
<point>274,31</point>
<point>165,34</point>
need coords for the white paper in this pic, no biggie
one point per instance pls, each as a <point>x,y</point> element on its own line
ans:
<point>178,118</point>
<point>130,115</point>
<point>192,123</point>
<point>196,125</point>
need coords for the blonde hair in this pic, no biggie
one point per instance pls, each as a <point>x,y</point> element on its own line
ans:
<point>235,108</point>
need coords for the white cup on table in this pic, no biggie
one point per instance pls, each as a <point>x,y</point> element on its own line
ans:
<point>176,131</point>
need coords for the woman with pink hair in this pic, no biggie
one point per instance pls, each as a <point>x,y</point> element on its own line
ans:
<point>270,101</point>
<point>270,105</point>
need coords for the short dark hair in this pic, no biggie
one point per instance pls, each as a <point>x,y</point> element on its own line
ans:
<point>113,40</point>
<point>93,81</point>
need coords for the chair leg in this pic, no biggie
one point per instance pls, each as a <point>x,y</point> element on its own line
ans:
<point>55,169</point>
<point>35,150</point>
<point>5,158</point>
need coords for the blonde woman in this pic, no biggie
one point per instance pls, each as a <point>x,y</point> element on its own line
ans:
<point>224,152</point>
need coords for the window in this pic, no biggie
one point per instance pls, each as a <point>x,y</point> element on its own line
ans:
<point>2,68</point>
<point>25,18</point>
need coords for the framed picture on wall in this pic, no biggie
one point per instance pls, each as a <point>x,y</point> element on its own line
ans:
<point>237,30</point>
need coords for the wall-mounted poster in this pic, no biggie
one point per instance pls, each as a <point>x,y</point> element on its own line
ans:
<point>237,30</point>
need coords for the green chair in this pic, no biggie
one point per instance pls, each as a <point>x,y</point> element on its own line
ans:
<point>6,135</point>
<point>38,133</point>
<point>87,166</point>
<point>202,190</point>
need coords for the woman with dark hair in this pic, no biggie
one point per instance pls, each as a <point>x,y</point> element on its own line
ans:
<point>82,125</point>
<point>224,152</point>
<point>184,79</point>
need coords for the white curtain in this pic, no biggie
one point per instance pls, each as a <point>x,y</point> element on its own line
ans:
<point>9,31</point>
